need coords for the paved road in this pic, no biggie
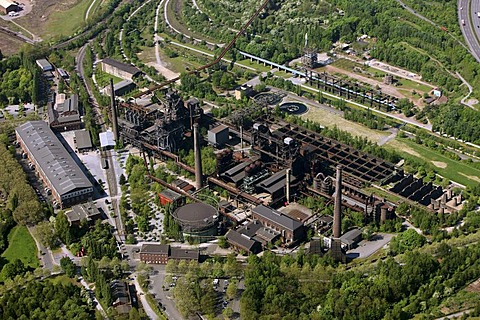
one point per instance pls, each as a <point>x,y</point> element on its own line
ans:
<point>471,23</point>
<point>97,304</point>
<point>146,306</point>
<point>44,254</point>
<point>472,9</point>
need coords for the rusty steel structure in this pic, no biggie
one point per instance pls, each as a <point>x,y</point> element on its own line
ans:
<point>350,90</point>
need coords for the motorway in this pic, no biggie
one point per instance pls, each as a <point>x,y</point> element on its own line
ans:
<point>470,30</point>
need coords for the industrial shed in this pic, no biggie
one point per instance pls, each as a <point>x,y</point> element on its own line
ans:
<point>7,6</point>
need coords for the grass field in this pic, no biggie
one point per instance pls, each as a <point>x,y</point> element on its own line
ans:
<point>21,246</point>
<point>255,65</point>
<point>283,74</point>
<point>67,22</point>
<point>103,78</point>
<point>450,169</point>
<point>63,279</point>
<point>413,85</point>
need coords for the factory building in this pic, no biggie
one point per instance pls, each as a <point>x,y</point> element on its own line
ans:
<point>61,175</point>
<point>41,63</point>
<point>290,229</point>
<point>120,88</point>
<point>218,136</point>
<point>82,141</point>
<point>119,69</point>
<point>64,115</point>
<point>85,211</point>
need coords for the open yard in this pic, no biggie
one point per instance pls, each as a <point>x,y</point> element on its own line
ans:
<point>328,119</point>
<point>450,169</point>
<point>21,246</point>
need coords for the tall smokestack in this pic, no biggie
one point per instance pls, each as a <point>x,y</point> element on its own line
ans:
<point>337,215</point>
<point>198,157</point>
<point>287,182</point>
<point>114,112</point>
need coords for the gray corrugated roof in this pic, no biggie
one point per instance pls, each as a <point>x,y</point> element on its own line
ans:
<point>122,84</point>
<point>350,236</point>
<point>122,66</point>
<point>83,139</point>
<point>277,217</point>
<point>218,129</point>
<point>276,182</point>
<point>44,63</point>
<point>180,253</point>
<point>70,104</point>
<point>155,248</point>
<point>83,211</point>
<point>240,240</point>
<point>53,159</point>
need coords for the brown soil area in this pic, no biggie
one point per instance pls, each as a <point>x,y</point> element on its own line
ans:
<point>9,45</point>
<point>474,286</point>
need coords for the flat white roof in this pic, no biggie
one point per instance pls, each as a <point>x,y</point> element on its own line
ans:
<point>106,139</point>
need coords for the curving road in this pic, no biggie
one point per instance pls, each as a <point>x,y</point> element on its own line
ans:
<point>471,29</point>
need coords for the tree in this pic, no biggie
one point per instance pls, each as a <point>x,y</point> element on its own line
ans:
<point>222,242</point>
<point>122,180</point>
<point>68,266</point>
<point>47,234</point>
<point>227,312</point>
<point>232,289</point>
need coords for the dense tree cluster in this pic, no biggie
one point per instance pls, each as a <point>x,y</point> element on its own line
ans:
<point>44,300</point>
<point>20,197</point>
<point>302,288</point>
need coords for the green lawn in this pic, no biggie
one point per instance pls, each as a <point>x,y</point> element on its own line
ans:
<point>255,65</point>
<point>453,170</point>
<point>67,22</point>
<point>103,78</point>
<point>63,279</point>
<point>409,84</point>
<point>21,246</point>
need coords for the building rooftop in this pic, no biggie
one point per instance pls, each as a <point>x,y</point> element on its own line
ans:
<point>155,248</point>
<point>53,159</point>
<point>43,63</point>
<point>170,194</point>
<point>106,139</point>
<point>277,217</point>
<point>88,211</point>
<point>276,182</point>
<point>122,66</point>
<point>240,240</point>
<point>219,129</point>
<point>67,105</point>
<point>237,173</point>
<point>83,140</point>
<point>350,236</point>
<point>122,84</point>
<point>181,253</point>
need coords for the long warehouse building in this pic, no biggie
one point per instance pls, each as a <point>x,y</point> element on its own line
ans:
<point>60,173</point>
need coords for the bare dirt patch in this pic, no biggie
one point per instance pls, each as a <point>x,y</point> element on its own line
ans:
<point>9,45</point>
<point>474,286</point>
<point>439,164</point>
<point>329,119</point>
<point>398,145</point>
<point>474,178</point>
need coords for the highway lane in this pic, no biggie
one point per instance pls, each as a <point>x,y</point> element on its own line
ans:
<point>468,15</point>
